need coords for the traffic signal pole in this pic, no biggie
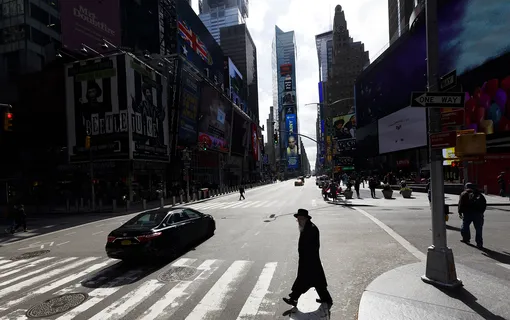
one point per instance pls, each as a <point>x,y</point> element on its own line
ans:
<point>440,268</point>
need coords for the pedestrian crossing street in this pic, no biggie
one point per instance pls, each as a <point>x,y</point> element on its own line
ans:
<point>115,290</point>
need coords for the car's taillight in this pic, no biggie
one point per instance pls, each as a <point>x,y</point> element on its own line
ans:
<point>111,239</point>
<point>148,237</point>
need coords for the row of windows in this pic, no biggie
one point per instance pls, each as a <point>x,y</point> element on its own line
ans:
<point>12,8</point>
<point>45,17</point>
<point>19,32</point>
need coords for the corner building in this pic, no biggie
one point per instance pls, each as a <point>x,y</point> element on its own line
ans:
<point>284,96</point>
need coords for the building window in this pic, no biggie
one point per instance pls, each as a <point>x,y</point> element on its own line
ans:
<point>12,34</point>
<point>39,37</point>
<point>39,14</point>
<point>12,8</point>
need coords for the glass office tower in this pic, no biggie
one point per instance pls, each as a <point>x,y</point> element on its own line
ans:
<point>216,14</point>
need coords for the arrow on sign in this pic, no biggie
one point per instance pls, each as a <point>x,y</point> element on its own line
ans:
<point>443,100</point>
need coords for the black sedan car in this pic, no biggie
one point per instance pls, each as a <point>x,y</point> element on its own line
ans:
<point>160,233</point>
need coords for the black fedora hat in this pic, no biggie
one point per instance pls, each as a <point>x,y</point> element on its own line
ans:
<point>302,213</point>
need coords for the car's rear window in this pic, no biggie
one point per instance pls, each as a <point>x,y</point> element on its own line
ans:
<point>147,219</point>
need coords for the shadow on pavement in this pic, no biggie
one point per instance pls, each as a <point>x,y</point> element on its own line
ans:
<point>503,257</point>
<point>448,227</point>
<point>470,301</point>
<point>322,313</point>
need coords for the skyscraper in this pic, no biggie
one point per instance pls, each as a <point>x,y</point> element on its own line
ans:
<point>324,44</point>
<point>284,96</point>
<point>216,14</point>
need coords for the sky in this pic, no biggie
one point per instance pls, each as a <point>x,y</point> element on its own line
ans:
<point>367,21</point>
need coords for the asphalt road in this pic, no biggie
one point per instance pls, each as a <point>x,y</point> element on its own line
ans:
<point>240,273</point>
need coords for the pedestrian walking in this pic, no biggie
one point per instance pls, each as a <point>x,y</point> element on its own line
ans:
<point>502,184</point>
<point>20,218</point>
<point>472,206</point>
<point>357,182</point>
<point>241,193</point>
<point>372,184</point>
<point>310,272</point>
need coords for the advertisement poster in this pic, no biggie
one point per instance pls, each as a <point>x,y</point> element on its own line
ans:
<point>345,127</point>
<point>188,109</point>
<point>235,84</point>
<point>287,83</point>
<point>89,22</point>
<point>449,153</point>
<point>286,69</point>
<point>214,120</point>
<point>147,103</point>
<point>198,46</point>
<point>404,129</point>
<point>96,107</point>
<point>254,142</point>
<point>288,98</point>
<point>292,141</point>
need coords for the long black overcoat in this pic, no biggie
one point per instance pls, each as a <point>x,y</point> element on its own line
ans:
<point>310,272</point>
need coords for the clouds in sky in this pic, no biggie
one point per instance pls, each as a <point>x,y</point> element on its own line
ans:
<point>367,21</point>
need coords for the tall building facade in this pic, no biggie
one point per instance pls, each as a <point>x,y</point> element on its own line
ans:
<point>284,96</point>
<point>238,44</point>
<point>349,60</point>
<point>399,16</point>
<point>216,14</point>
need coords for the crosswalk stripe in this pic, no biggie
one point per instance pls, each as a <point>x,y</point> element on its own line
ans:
<point>216,205</point>
<point>16,315</point>
<point>272,203</point>
<point>230,204</point>
<point>239,204</point>
<point>99,294</point>
<point>215,300</point>
<point>260,204</point>
<point>183,262</point>
<point>21,285</point>
<point>4,261</point>
<point>249,204</point>
<point>127,303</point>
<point>203,206</point>
<point>252,305</point>
<point>31,273</point>
<point>166,306</point>
<point>53,285</point>
<point>29,265</point>
<point>13,264</point>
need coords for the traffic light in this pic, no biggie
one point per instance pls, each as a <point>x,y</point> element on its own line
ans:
<point>276,137</point>
<point>8,121</point>
<point>87,142</point>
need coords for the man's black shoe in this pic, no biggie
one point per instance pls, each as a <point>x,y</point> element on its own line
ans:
<point>290,301</point>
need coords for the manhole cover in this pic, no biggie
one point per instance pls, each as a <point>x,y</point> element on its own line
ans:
<point>177,274</point>
<point>56,305</point>
<point>29,255</point>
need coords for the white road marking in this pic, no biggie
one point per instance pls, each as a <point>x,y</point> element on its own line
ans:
<point>127,303</point>
<point>27,283</point>
<point>4,261</point>
<point>230,204</point>
<point>30,265</point>
<point>273,203</point>
<point>98,295</point>
<point>244,245</point>
<point>183,262</point>
<point>37,244</point>
<point>70,233</point>
<point>16,315</point>
<point>47,227</point>
<point>257,233</point>
<point>96,233</point>
<point>60,244</point>
<point>260,204</point>
<point>216,299</point>
<point>252,305</point>
<point>504,265</point>
<point>12,264</point>
<point>166,306</point>
<point>39,270</point>
<point>53,285</point>
<point>403,242</point>
<point>100,225</point>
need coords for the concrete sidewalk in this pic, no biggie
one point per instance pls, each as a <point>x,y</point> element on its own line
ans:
<point>401,294</point>
<point>418,199</point>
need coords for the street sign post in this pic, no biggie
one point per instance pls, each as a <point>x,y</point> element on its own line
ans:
<point>437,100</point>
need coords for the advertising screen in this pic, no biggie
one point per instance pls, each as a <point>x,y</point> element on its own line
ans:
<point>292,141</point>
<point>188,109</point>
<point>367,142</point>
<point>214,120</point>
<point>235,84</point>
<point>197,45</point>
<point>96,106</point>
<point>89,22</point>
<point>148,110</point>
<point>285,69</point>
<point>345,127</point>
<point>254,142</point>
<point>404,129</point>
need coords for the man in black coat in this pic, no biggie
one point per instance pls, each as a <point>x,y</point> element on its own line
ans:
<point>310,271</point>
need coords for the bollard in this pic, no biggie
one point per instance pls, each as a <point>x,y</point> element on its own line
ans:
<point>173,200</point>
<point>187,198</point>
<point>144,204</point>
<point>68,205</point>
<point>213,193</point>
<point>485,189</point>
<point>161,202</point>
<point>195,196</point>
<point>128,204</point>
<point>181,199</point>
<point>199,195</point>
<point>100,205</point>
<point>114,205</point>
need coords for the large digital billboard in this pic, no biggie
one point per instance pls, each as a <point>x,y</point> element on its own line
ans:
<point>89,22</point>
<point>472,41</point>
<point>197,44</point>
<point>215,119</point>
<point>188,108</point>
<point>292,141</point>
<point>235,84</point>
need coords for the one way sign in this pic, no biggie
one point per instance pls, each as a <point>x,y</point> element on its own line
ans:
<point>437,99</point>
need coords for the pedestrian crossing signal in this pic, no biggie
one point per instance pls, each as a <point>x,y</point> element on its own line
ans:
<point>8,121</point>
<point>275,137</point>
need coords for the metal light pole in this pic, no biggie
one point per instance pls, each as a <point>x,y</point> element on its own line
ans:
<point>440,268</point>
